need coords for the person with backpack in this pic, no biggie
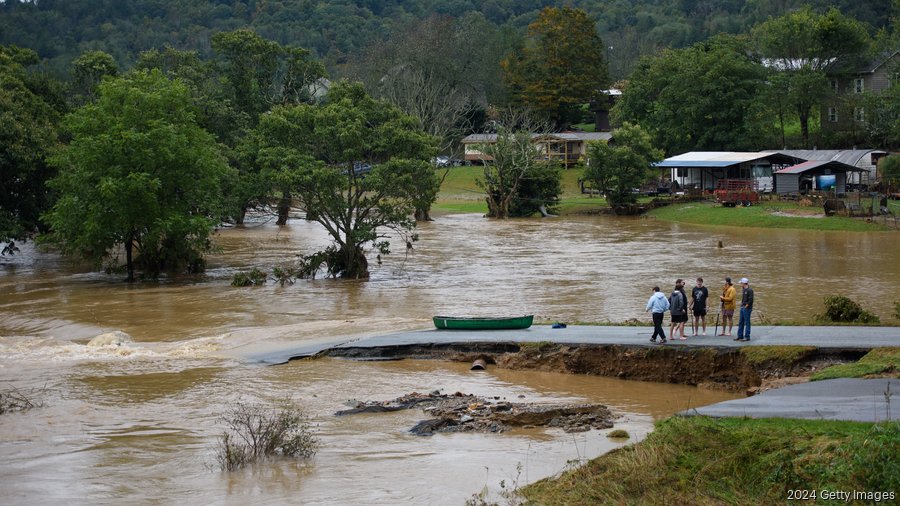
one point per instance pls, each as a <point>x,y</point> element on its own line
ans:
<point>678,307</point>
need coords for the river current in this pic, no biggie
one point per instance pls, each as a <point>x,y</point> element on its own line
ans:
<point>138,423</point>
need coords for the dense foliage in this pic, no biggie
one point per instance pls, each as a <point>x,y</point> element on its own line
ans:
<point>357,166</point>
<point>140,174</point>
<point>560,68</point>
<point>28,131</point>
<point>618,167</point>
<point>61,30</point>
<point>705,97</point>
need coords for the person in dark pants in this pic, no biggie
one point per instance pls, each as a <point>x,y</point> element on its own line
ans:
<point>657,306</point>
<point>746,308</point>
<point>699,295</point>
<point>678,305</point>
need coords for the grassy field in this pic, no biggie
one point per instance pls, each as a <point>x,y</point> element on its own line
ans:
<point>699,460</point>
<point>460,193</point>
<point>765,215</point>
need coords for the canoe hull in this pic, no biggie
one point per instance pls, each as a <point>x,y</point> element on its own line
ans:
<point>462,323</point>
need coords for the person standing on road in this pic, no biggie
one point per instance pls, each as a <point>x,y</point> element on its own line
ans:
<point>746,309</point>
<point>729,294</point>
<point>678,305</point>
<point>657,306</point>
<point>699,296</point>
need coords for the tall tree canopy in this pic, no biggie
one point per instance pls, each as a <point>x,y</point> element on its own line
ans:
<point>561,67</point>
<point>803,45</point>
<point>139,173</point>
<point>356,165</point>
<point>27,134</point>
<point>705,97</point>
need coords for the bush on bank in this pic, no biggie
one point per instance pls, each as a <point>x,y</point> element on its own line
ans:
<point>699,460</point>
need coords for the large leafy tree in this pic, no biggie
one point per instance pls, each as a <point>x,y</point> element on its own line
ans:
<point>139,174</point>
<point>27,134</point>
<point>356,165</point>
<point>623,165</point>
<point>705,97</point>
<point>560,68</point>
<point>260,74</point>
<point>804,45</point>
<point>88,70</point>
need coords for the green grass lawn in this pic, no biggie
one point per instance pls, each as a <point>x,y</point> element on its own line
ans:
<point>699,460</point>
<point>765,215</point>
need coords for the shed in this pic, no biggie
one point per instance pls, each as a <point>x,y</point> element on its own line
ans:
<point>864,159</point>
<point>703,169</point>
<point>815,174</point>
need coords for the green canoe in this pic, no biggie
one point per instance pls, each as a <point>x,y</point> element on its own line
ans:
<point>482,323</point>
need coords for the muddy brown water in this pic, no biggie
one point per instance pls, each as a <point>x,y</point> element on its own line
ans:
<point>139,422</point>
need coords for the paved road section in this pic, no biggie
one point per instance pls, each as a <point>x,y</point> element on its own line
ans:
<point>857,400</point>
<point>822,337</point>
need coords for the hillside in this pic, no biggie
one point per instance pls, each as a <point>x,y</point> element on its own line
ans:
<point>60,30</point>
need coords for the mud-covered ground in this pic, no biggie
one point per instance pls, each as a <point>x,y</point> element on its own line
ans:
<point>461,412</point>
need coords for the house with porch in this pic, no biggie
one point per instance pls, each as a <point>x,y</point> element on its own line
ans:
<point>703,170</point>
<point>566,148</point>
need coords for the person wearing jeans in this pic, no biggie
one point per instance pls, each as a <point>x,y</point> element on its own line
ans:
<point>743,333</point>
<point>658,305</point>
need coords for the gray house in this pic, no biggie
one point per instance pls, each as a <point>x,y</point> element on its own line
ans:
<point>845,109</point>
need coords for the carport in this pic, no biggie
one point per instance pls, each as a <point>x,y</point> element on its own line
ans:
<point>813,175</point>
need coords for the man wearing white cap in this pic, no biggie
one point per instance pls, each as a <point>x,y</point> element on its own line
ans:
<point>743,333</point>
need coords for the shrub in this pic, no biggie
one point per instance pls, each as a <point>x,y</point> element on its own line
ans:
<point>618,434</point>
<point>255,431</point>
<point>254,277</point>
<point>842,309</point>
<point>13,400</point>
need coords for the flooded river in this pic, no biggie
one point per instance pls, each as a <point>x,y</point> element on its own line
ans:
<point>138,423</point>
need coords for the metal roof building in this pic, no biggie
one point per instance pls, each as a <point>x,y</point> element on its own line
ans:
<point>806,175</point>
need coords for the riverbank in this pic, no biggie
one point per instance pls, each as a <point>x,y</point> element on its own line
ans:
<point>766,214</point>
<point>699,460</point>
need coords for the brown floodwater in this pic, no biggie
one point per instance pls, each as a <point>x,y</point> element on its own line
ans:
<point>138,423</point>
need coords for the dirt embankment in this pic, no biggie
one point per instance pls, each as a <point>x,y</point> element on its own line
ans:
<point>725,368</point>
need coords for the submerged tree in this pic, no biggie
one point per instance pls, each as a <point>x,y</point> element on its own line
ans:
<point>27,135</point>
<point>516,178</point>
<point>619,168</point>
<point>356,165</point>
<point>139,173</point>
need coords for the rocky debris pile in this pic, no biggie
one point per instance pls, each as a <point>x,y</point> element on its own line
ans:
<point>460,412</point>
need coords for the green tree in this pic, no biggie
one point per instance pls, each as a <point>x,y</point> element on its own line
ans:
<point>262,73</point>
<point>889,172</point>
<point>516,179</point>
<point>355,164</point>
<point>88,71</point>
<point>560,68</point>
<point>625,164</point>
<point>27,134</point>
<point>140,174</point>
<point>709,96</point>
<point>803,45</point>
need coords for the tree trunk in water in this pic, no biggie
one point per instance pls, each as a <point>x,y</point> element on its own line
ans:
<point>239,220</point>
<point>129,261</point>
<point>355,264</point>
<point>284,209</point>
<point>422,215</point>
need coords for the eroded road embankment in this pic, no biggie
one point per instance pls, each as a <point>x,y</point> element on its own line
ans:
<point>726,368</point>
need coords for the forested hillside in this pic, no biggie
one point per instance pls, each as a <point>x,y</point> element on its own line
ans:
<point>336,30</point>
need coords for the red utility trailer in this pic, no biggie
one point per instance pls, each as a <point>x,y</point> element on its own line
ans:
<point>737,192</point>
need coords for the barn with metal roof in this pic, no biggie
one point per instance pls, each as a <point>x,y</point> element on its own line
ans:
<point>703,169</point>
